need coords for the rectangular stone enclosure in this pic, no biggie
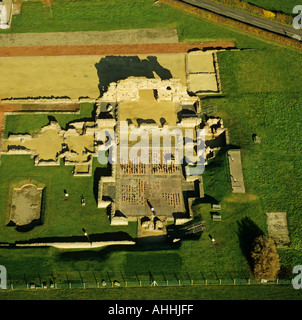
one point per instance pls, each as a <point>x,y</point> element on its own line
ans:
<point>26,204</point>
<point>277,228</point>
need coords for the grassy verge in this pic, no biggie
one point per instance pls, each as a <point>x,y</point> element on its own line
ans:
<point>276,6</point>
<point>276,11</point>
<point>240,292</point>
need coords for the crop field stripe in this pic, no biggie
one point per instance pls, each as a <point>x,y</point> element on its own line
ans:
<point>114,49</point>
<point>132,36</point>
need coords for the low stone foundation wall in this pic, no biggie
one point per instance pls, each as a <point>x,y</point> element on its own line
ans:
<point>76,245</point>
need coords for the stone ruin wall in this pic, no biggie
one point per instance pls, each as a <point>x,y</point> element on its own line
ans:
<point>128,90</point>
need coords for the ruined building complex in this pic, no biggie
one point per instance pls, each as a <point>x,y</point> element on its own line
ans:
<point>154,192</point>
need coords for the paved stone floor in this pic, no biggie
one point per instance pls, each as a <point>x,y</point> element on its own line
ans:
<point>236,171</point>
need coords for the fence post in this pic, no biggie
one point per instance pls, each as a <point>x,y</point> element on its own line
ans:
<point>140,283</point>
<point>191,282</point>
<point>126,284</point>
<point>167,282</point>
<point>83,285</point>
<point>206,281</point>
<point>249,281</point>
<point>234,281</point>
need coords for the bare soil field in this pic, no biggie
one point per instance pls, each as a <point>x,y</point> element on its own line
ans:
<point>71,77</point>
<point>81,76</point>
<point>202,82</point>
<point>148,108</point>
<point>200,62</point>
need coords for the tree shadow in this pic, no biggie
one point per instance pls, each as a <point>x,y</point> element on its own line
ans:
<point>206,199</point>
<point>285,272</point>
<point>248,231</point>
<point>115,68</point>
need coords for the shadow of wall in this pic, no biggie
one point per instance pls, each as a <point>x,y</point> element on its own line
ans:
<point>115,68</point>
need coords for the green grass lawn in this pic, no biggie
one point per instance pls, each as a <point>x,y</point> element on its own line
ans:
<point>101,15</point>
<point>262,95</point>
<point>60,218</point>
<point>193,293</point>
<point>29,123</point>
<point>197,258</point>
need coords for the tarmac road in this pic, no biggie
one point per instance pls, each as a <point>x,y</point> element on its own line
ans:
<point>247,18</point>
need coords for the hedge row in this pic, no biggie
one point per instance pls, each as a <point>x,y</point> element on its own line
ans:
<point>252,8</point>
<point>232,23</point>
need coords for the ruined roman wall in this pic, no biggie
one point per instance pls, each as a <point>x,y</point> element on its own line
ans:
<point>128,90</point>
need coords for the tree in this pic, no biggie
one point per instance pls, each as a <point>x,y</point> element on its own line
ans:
<point>265,258</point>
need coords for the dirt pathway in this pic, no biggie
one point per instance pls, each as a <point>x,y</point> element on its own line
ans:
<point>114,49</point>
